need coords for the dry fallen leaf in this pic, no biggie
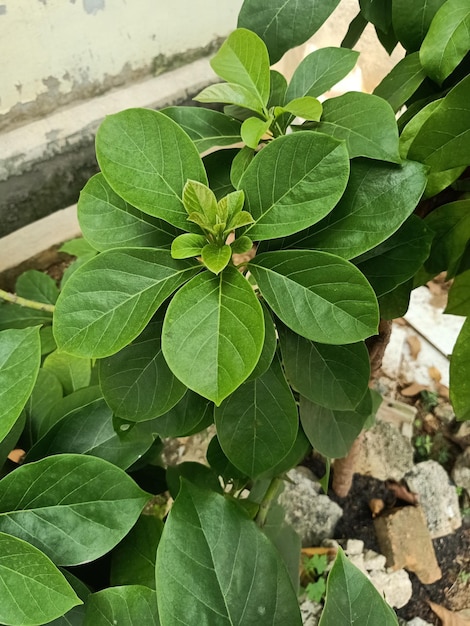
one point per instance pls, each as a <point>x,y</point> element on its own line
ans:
<point>443,391</point>
<point>412,390</point>
<point>448,618</point>
<point>402,492</point>
<point>435,374</point>
<point>415,346</point>
<point>17,456</point>
<point>376,505</point>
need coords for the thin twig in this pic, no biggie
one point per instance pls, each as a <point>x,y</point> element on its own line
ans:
<point>30,304</point>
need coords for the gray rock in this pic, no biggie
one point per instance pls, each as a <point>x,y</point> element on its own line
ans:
<point>437,496</point>
<point>417,621</point>
<point>312,515</point>
<point>394,586</point>
<point>374,561</point>
<point>385,453</point>
<point>444,412</point>
<point>354,547</point>
<point>310,612</point>
<point>461,470</point>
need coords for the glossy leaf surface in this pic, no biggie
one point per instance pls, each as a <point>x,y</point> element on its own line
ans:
<point>129,605</point>
<point>401,82</point>
<point>411,21</point>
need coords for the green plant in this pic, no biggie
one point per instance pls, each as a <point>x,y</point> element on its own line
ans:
<point>236,288</point>
<point>315,570</point>
<point>423,444</point>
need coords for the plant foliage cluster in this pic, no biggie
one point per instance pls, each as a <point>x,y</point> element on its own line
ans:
<point>234,263</point>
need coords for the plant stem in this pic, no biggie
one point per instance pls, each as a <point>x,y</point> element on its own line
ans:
<point>30,304</point>
<point>267,501</point>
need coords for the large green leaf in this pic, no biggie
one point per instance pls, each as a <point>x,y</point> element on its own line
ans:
<point>47,393</point>
<point>257,425</point>
<point>336,377</point>
<point>147,159</point>
<point>109,300</point>
<point>395,303</point>
<point>365,122</point>
<point>411,20</point>
<point>228,571</point>
<point>447,41</point>
<point>218,166</point>
<point>16,316</point>
<point>35,285</point>
<point>443,141</point>
<point>72,372</point>
<point>130,605</point>
<point>269,346</point>
<point>378,199</point>
<point>74,508</point>
<point>219,462</point>
<point>460,374</point>
<point>451,224</point>
<point>108,221</point>
<point>401,82</point>
<point>10,441</point>
<point>378,12</point>
<point>192,414</point>
<point>284,199</point>
<point>332,433</point>
<point>459,295</point>
<point>284,24</point>
<point>20,355</point>
<point>320,71</point>
<point>136,382</point>
<point>75,616</point>
<point>230,93</point>
<point>213,333</point>
<point>318,295</point>
<point>206,127</point>
<point>352,599</point>
<point>32,589</point>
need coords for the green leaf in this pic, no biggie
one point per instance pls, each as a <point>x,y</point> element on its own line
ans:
<point>48,343</point>
<point>438,181</point>
<point>401,82</point>
<point>192,414</point>
<point>213,333</point>
<point>451,224</point>
<point>133,560</point>
<point>34,285</point>
<point>413,127</point>
<point>20,355</point>
<point>278,89</point>
<point>257,425</point>
<point>306,107</point>
<point>388,39</point>
<point>10,441</point>
<point>411,21</point>
<point>447,40</point>
<point>294,457</point>
<point>215,257</point>
<point>199,198</point>
<point>108,221</point>
<point>219,462</point>
<point>136,381</point>
<point>196,473</point>
<point>395,303</point>
<point>187,245</point>
<point>72,372</point>
<point>366,122</point>
<point>147,159</point>
<point>459,295</point>
<point>335,377</point>
<point>16,316</point>
<point>74,508</point>
<point>230,93</point>
<point>284,199</point>
<point>226,557</point>
<point>79,247</point>
<point>443,140</point>
<point>241,245</point>
<point>206,127</point>
<point>286,540</point>
<point>460,374</point>
<point>284,24</point>
<point>75,616</point>
<point>352,599</point>
<point>320,71</point>
<point>218,166</point>
<point>47,393</point>
<point>241,161</point>
<point>108,301</point>
<point>318,295</point>
<point>253,130</point>
<point>130,605</point>
<point>332,432</point>
<point>269,345</point>
<point>355,30</point>
<point>32,589</point>
<point>378,199</point>
<point>230,205</point>
<point>378,12</point>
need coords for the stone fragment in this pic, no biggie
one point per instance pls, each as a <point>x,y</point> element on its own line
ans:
<point>354,546</point>
<point>437,496</point>
<point>310,612</point>
<point>385,453</point>
<point>399,414</point>
<point>444,412</point>
<point>374,561</point>
<point>394,586</point>
<point>461,471</point>
<point>405,541</point>
<point>417,621</point>
<point>312,515</point>
<point>463,434</point>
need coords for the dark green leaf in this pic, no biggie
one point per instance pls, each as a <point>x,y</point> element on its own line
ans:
<point>395,303</point>
<point>108,301</point>
<point>388,39</point>
<point>401,82</point>
<point>286,540</point>
<point>192,414</point>
<point>411,20</point>
<point>147,159</point>
<point>219,462</point>
<point>72,372</point>
<point>213,333</point>
<point>438,181</point>
<point>215,257</point>
<point>225,558</point>
<point>284,24</point>
<point>269,346</point>
<point>74,508</point>
<point>294,457</point>
<point>378,12</point>
<point>283,199</point>
<point>16,316</point>
<point>460,374</point>
<point>278,89</point>
<point>195,473</point>
<point>218,166</point>
<point>318,295</point>
<point>32,589</point>
<point>130,605</point>
<point>355,30</point>
<point>47,393</point>
<point>451,224</point>
<point>11,439</point>
<point>34,285</point>
<point>75,616</point>
<point>241,161</point>
<point>459,295</point>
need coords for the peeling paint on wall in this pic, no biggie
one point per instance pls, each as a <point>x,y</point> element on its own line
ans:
<point>93,6</point>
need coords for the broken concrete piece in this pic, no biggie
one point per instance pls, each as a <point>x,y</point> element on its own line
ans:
<point>394,586</point>
<point>437,496</point>
<point>461,471</point>
<point>405,540</point>
<point>374,561</point>
<point>354,547</point>
<point>399,414</point>
<point>417,621</point>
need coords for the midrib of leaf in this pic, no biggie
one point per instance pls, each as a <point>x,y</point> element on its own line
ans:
<point>237,63</point>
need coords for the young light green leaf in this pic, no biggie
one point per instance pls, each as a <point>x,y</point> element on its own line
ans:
<point>109,300</point>
<point>284,24</point>
<point>74,508</point>
<point>352,599</point>
<point>187,245</point>
<point>460,374</point>
<point>438,181</point>
<point>320,71</point>
<point>284,199</point>
<point>200,199</point>
<point>335,377</point>
<point>72,372</point>
<point>108,221</point>
<point>459,295</point>
<point>253,129</point>
<point>451,225</point>
<point>447,40</point>
<point>257,425</point>
<point>243,60</point>
<point>129,605</point>
<point>411,21</point>
<point>318,295</point>
<point>241,245</point>
<point>401,82</point>
<point>413,127</point>
<point>306,107</point>
<point>80,247</point>
<point>35,285</point>
<point>206,127</point>
<point>215,257</point>
<point>192,414</point>
<point>226,557</point>
<point>213,333</point>
<point>20,356</point>
<point>231,93</point>
<point>32,589</point>
<point>366,122</point>
<point>231,204</point>
<point>147,159</point>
